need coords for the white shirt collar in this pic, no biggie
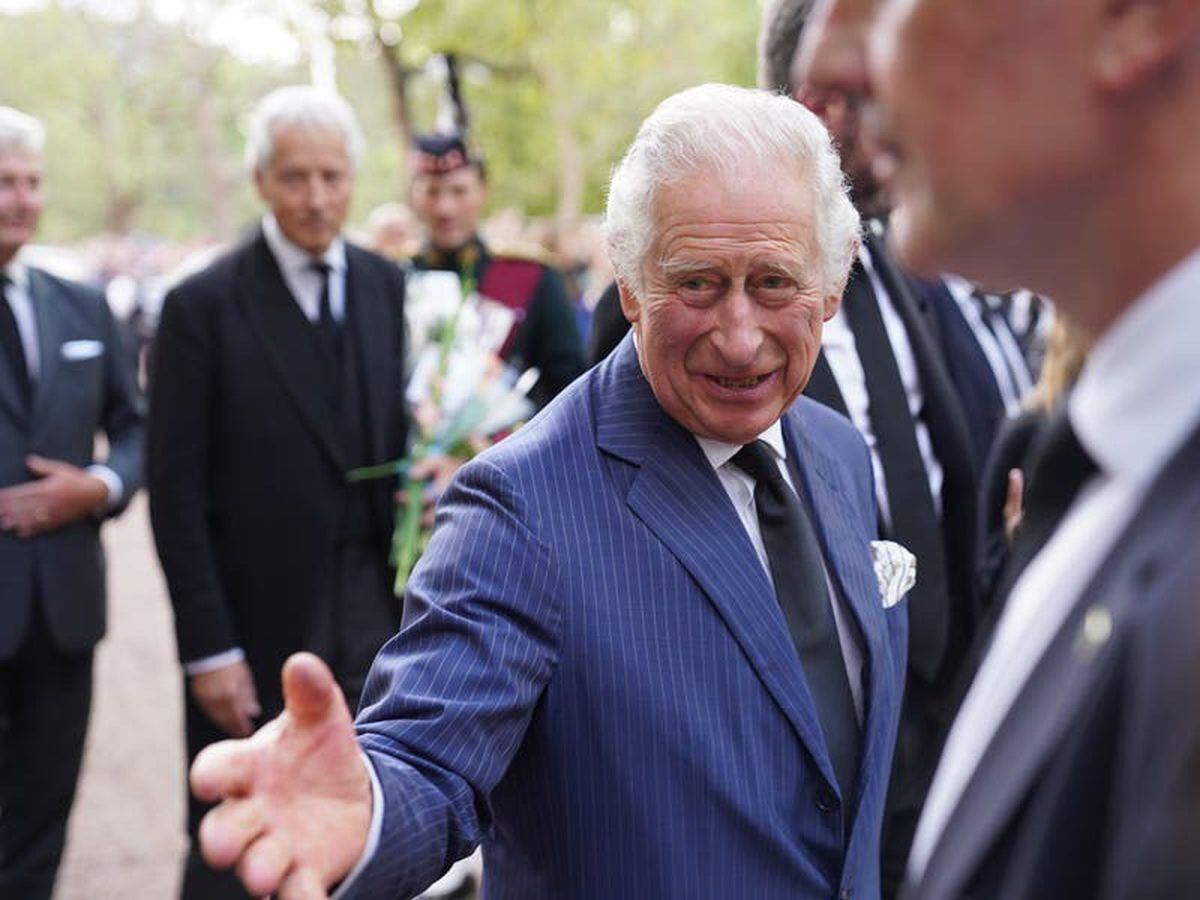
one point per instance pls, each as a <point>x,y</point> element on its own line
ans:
<point>1138,396</point>
<point>295,259</point>
<point>718,452</point>
<point>18,273</point>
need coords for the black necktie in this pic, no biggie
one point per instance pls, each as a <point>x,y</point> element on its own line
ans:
<point>327,326</point>
<point>1057,468</point>
<point>914,520</point>
<point>798,572</point>
<point>10,338</point>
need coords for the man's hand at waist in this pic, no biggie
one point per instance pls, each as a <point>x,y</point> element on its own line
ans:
<point>227,697</point>
<point>60,494</point>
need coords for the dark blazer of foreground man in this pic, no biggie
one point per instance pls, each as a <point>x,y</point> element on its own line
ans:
<point>596,677</point>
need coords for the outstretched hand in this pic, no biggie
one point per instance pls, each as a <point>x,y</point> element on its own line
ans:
<point>295,797</point>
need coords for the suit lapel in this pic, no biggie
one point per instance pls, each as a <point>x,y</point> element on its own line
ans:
<point>680,499</point>
<point>287,340</point>
<point>367,315</point>
<point>1062,681</point>
<point>48,312</point>
<point>848,559</point>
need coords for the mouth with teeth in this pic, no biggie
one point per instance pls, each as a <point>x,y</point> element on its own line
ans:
<point>747,383</point>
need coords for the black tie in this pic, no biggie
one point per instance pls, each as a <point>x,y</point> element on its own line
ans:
<point>914,520</point>
<point>10,337</point>
<point>327,326</point>
<point>798,572</point>
<point>1057,467</point>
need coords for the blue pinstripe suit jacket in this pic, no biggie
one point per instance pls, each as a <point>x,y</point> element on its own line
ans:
<point>594,679</point>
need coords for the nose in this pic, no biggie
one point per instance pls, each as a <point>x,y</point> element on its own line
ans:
<point>738,335</point>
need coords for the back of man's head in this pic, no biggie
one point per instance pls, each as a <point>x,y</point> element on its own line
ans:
<point>782,24</point>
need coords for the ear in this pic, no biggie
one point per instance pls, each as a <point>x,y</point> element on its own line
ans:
<point>833,300</point>
<point>631,305</point>
<point>258,183</point>
<point>1138,39</point>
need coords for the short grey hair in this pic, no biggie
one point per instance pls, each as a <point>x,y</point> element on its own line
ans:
<point>302,105</point>
<point>20,131</point>
<point>726,131</point>
<point>783,22</point>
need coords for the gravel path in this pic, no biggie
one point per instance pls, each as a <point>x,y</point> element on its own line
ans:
<point>126,836</point>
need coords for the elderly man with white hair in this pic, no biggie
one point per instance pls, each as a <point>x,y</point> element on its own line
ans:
<point>64,376</point>
<point>276,371</point>
<point>646,653</point>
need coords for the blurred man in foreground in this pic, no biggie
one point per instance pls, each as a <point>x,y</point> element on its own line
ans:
<point>1055,144</point>
<point>64,377</point>
<point>645,653</point>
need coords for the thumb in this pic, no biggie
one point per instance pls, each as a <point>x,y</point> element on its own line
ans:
<point>310,694</point>
<point>39,465</point>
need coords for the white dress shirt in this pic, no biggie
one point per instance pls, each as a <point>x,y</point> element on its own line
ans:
<point>1137,400</point>
<point>20,301</point>
<point>837,340</point>
<point>304,282</point>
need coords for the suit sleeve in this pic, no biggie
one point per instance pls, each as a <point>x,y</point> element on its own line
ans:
<point>124,417</point>
<point>555,346</point>
<point>450,697</point>
<point>177,467</point>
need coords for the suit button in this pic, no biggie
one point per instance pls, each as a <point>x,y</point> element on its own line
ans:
<point>827,801</point>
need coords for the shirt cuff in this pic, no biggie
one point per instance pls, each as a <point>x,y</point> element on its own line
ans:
<point>214,662</point>
<point>372,836</point>
<point>112,481</point>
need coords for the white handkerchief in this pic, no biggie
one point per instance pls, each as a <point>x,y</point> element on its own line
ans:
<point>77,350</point>
<point>896,569</point>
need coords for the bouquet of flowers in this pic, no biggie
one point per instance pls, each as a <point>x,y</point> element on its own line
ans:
<point>463,397</point>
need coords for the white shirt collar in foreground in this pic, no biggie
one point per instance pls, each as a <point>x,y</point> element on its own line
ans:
<point>18,274</point>
<point>1138,396</point>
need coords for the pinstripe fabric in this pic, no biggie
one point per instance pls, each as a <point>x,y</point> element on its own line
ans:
<point>593,677</point>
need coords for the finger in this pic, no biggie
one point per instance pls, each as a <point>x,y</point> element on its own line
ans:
<point>302,884</point>
<point>228,829</point>
<point>241,723</point>
<point>264,864</point>
<point>39,465</point>
<point>224,769</point>
<point>309,692</point>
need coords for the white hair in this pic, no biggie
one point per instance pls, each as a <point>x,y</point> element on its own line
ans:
<point>731,133</point>
<point>305,106</point>
<point>19,131</point>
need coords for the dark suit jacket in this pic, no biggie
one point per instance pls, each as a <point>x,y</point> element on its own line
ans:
<point>594,677</point>
<point>1089,787</point>
<point>245,469</point>
<point>86,385</point>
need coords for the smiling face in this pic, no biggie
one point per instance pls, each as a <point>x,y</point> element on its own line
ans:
<point>307,183</point>
<point>729,318</point>
<point>20,199</point>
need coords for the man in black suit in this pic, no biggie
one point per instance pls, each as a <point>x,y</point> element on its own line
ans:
<point>277,371</point>
<point>1067,161</point>
<point>64,376</point>
<point>882,365</point>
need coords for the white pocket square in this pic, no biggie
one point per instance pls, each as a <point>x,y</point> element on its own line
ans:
<point>896,569</point>
<point>77,350</point>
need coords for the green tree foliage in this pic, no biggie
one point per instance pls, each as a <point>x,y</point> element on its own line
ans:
<point>146,118</point>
